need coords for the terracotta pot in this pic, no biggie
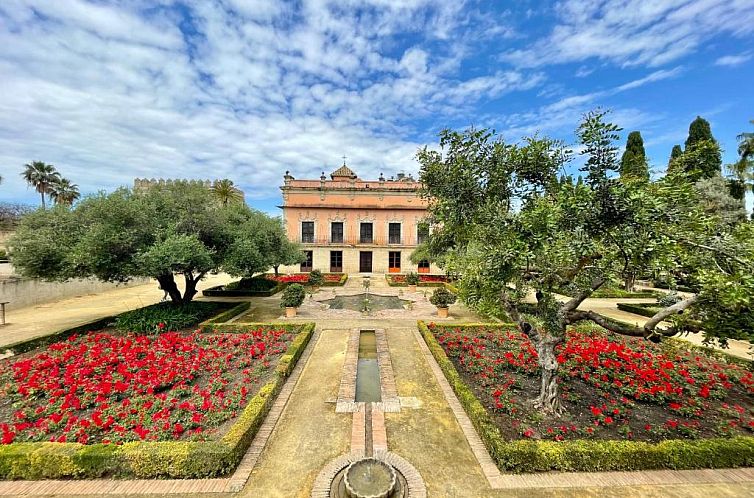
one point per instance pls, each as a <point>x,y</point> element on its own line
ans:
<point>412,288</point>
<point>442,312</point>
<point>290,312</point>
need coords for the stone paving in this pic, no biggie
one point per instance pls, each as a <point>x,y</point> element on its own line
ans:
<point>47,318</point>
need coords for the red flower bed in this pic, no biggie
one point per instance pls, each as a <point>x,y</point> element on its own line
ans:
<point>434,279</point>
<point>612,387</point>
<point>302,278</point>
<point>115,388</point>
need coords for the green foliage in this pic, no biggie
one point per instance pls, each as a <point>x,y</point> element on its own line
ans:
<point>699,130</point>
<point>412,278</point>
<point>675,154</point>
<point>715,198</point>
<point>149,460</point>
<point>172,316</point>
<point>442,297</point>
<point>700,160</point>
<point>316,279</point>
<point>633,163</point>
<point>161,231</point>
<point>587,455</point>
<point>597,137</point>
<point>293,296</point>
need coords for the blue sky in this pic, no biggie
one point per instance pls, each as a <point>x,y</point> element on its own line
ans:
<point>112,90</point>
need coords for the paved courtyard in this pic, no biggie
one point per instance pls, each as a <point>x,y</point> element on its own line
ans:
<point>428,431</point>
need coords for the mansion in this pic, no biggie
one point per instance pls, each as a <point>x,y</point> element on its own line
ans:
<point>346,224</point>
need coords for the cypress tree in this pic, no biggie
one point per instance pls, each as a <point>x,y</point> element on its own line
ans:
<point>675,154</point>
<point>633,164</point>
<point>699,130</point>
<point>702,157</point>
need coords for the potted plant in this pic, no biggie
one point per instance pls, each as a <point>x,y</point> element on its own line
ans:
<point>412,279</point>
<point>293,297</point>
<point>316,279</point>
<point>442,298</point>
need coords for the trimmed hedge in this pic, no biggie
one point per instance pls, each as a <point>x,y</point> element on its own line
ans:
<point>524,456</point>
<point>392,283</point>
<point>228,314</point>
<point>223,291</point>
<point>643,309</point>
<point>170,459</point>
<point>681,288</point>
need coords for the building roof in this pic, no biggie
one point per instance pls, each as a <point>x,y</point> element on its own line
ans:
<point>343,172</point>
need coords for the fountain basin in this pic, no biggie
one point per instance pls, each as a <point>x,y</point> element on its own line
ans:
<point>369,478</point>
<point>376,302</point>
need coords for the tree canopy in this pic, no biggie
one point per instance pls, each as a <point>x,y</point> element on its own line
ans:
<point>515,236</point>
<point>161,232</point>
<point>702,157</point>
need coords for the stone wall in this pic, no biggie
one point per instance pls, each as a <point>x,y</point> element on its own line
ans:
<point>21,292</point>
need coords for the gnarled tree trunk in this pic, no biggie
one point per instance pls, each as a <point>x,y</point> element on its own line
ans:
<point>549,394</point>
<point>167,283</point>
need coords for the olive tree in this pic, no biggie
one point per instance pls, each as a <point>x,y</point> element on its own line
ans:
<point>515,235</point>
<point>164,232</point>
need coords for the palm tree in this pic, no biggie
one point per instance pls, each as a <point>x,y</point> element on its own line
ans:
<point>64,192</point>
<point>225,192</point>
<point>40,176</point>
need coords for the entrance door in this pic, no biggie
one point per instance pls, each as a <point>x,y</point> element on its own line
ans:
<point>365,261</point>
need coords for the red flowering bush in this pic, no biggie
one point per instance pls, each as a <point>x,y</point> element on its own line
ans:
<point>613,387</point>
<point>427,279</point>
<point>303,278</point>
<point>100,387</point>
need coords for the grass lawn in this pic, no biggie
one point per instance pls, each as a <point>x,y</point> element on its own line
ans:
<point>614,388</point>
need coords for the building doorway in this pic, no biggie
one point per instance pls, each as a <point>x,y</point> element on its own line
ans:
<point>365,261</point>
<point>394,262</point>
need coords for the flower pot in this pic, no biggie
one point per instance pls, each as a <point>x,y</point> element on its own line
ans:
<point>412,288</point>
<point>290,312</point>
<point>442,312</point>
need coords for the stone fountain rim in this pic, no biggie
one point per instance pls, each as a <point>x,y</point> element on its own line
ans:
<point>391,469</point>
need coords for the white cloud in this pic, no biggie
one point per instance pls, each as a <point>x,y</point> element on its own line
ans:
<point>733,60</point>
<point>110,91</point>
<point>633,32</point>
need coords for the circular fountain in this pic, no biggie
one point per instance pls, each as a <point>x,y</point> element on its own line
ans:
<point>369,478</point>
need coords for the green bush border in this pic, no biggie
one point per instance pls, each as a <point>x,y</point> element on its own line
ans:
<point>639,308</point>
<point>167,459</point>
<point>219,291</point>
<point>585,455</point>
<point>228,314</point>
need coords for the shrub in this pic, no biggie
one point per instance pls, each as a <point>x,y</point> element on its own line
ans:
<point>293,296</point>
<point>252,284</point>
<point>669,299</point>
<point>412,278</point>
<point>316,278</point>
<point>442,297</point>
<point>166,316</point>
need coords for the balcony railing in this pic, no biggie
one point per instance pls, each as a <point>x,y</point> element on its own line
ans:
<point>356,240</point>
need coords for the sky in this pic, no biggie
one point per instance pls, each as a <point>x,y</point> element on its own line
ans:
<point>109,91</point>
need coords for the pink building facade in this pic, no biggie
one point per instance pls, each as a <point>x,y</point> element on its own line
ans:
<point>346,224</point>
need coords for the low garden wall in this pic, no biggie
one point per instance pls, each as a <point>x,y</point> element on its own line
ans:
<point>522,456</point>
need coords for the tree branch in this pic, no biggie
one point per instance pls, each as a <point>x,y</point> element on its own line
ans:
<point>579,298</point>
<point>649,328</point>
<point>718,251</point>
